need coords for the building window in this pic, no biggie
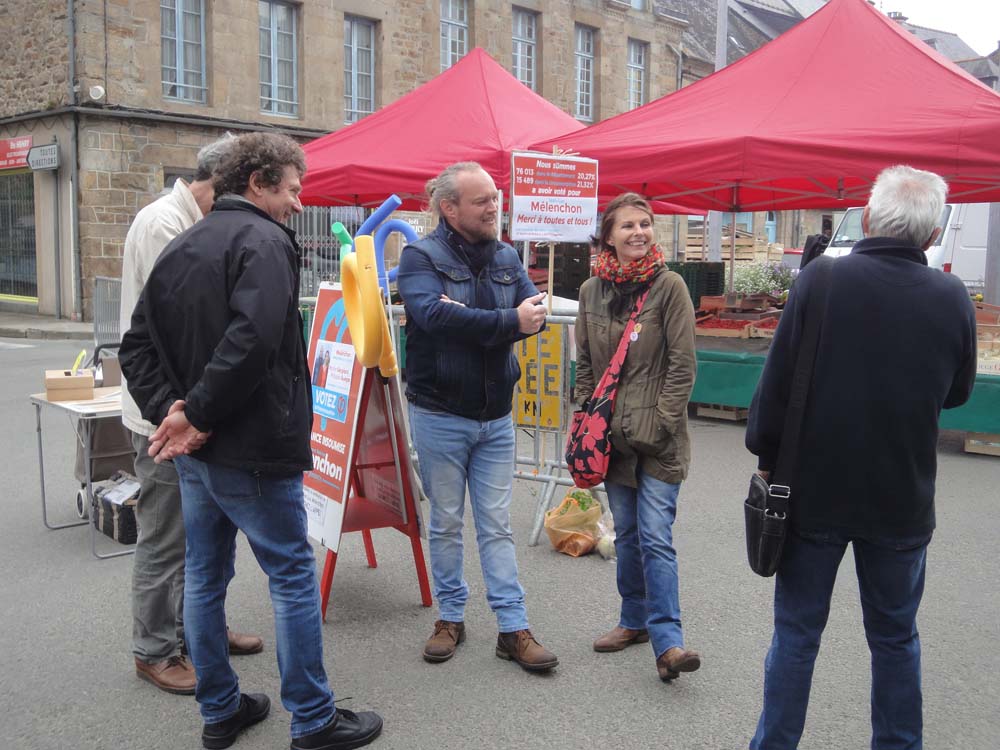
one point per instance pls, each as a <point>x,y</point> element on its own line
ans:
<point>585,73</point>
<point>182,50</point>
<point>172,174</point>
<point>525,57</point>
<point>278,64</point>
<point>454,31</point>
<point>639,4</point>
<point>636,73</point>
<point>359,68</point>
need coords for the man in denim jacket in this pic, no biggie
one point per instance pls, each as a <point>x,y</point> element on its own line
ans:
<point>468,299</point>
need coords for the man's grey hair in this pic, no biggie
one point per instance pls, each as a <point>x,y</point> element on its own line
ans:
<point>209,157</point>
<point>444,187</point>
<point>906,204</point>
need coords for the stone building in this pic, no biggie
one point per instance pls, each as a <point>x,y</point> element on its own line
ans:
<point>129,90</point>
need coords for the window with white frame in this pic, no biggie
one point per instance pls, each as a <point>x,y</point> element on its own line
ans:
<point>637,54</point>
<point>454,31</point>
<point>279,83</point>
<point>525,36</point>
<point>585,37</point>
<point>359,68</point>
<point>182,50</point>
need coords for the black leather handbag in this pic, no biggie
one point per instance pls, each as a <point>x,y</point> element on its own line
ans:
<point>768,505</point>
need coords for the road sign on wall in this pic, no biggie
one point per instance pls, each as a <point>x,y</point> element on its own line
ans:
<point>44,157</point>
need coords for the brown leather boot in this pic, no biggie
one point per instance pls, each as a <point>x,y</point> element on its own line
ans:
<point>241,644</point>
<point>521,646</point>
<point>620,638</point>
<point>173,675</point>
<point>675,660</point>
<point>444,640</point>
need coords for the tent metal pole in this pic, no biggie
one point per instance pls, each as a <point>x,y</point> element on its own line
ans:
<point>732,246</point>
<point>991,292</point>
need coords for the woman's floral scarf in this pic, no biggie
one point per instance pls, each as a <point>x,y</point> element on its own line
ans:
<point>608,268</point>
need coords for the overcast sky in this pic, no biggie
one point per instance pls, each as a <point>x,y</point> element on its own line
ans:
<point>977,22</point>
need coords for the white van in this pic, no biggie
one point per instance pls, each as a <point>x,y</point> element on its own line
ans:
<point>960,249</point>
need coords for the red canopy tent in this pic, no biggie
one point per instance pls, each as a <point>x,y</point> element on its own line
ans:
<point>807,121</point>
<point>474,111</point>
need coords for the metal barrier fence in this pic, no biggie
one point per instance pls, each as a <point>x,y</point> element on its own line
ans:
<point>541,408</point>
<point>320,249</point>
<point>107,311</point>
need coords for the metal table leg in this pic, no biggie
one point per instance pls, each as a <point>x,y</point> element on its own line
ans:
<point>41,477</point>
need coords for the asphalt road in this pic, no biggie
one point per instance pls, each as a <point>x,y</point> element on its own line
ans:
<point>67,679</point>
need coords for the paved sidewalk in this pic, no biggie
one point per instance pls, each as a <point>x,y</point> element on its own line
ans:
<point>68,681</point>
<point>22,326</point>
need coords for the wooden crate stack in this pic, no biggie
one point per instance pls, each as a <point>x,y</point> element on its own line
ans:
<point>988,351</point>
<point>748,248</point>
<point>988,338</point>
<point>748,308</point>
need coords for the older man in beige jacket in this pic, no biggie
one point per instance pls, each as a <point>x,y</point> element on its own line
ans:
<point>158,571</point>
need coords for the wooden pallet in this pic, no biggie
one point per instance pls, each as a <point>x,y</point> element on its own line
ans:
<point>985,313</point>
<point>726,333</point>
<point>985,443</point>
<point>762,333</point>
<point>719,411</point>
<point>988,346</point>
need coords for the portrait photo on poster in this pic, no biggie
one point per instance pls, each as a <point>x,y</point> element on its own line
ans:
<point>331,379</point>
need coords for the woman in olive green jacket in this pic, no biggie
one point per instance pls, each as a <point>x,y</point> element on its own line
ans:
<point>650,445</point>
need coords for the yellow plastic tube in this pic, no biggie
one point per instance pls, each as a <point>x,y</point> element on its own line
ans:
<point>366,317</point>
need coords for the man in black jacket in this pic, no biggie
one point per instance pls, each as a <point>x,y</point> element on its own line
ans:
<point>897,344</point>
<point>215,356</point>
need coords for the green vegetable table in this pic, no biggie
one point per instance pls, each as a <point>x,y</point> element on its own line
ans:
<point>730,378</point>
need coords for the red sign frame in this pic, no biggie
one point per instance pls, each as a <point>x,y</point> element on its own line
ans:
<point>14,152</point>
<point>367,480</point>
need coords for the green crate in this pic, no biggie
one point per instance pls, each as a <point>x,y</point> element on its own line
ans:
<point>702,278</point>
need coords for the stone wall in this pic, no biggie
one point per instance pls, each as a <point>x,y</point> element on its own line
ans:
<point>121,52</point>
<point>34,60</point>
<point>122,167</point>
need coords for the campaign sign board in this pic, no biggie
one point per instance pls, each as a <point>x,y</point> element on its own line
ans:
<point>553,198</point>
<point>336,392</point>
<point>538,393</point>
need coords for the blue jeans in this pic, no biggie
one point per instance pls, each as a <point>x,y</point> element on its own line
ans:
<point>891,581</point>
<point>455,452</point>
<point>647,561</point>
<point>217,501</point>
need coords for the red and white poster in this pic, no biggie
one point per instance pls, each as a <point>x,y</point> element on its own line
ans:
<point>14,152</point>
<point>552,198</point>
<point>336,390</point>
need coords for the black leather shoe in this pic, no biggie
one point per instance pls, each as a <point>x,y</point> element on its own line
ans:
<point>253,708</point>
<point>345,731</point>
